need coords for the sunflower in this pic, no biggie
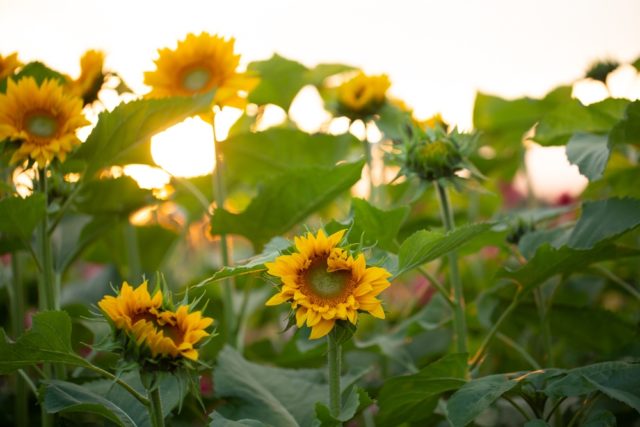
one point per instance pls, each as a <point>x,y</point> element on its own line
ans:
<point>176,333</point>
<point>131,307</point>
<point>164,332</point>
<point>91,77</point>
<point>200,64</point>
<point>8,65</point>
<point>325,283</point>
<point>42,119</point>
<point>362,95</point>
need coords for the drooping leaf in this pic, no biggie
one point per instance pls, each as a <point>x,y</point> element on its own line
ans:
<point>590,152</point>
<point>121,131</point>
<point>254,157</point>
<point>414,397</point>
<point>604,219</point>
<point>424,246</point>
<point>549,261</point>
<point>557,127</point>
<point>275,396</point>
<point>48,340</point>
<point>376,226</point>
<point>280,81</point>
<point>66,397</point>
<point>476,396</point>
<point>19,217</point>
<point>286,200</point>
<point>618,380</point>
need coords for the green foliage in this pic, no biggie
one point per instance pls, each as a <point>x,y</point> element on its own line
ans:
<point>286,200</point>
<point>120,196</point>
<point>19,217</point>
<point>590,153</point>
<point>376,226</point>
<point>627,130</point>
<point>117,137</point>
<point>413,398</point>
<point>39,71</point>
<point>49,340</point>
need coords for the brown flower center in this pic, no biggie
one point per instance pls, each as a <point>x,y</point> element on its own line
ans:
<point>324,287</point>
<point>41,124</point>
<point>195,79</point>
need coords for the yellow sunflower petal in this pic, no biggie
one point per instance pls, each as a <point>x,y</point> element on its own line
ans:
<point>321,329</point>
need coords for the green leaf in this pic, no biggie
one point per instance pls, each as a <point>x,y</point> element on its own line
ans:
<point>376,226</point>
<point>122,130</point>
<point>120,196</point>
<point>286,200</point>
<point>19,217</point>
<point>252,265</point>
<point>549,261</point>
<point>476,396</point>
<point>275,396</point>
<point>48,340</point>
<point>556,127</point>
<point>590,152</point>
<point>424,246</point>
<point>253,157</point>
<point>600,418</point>
<point>217,420</point>
<point>351,399</point>
<point>38,71</point>
<point>66,397</point>
<point>317,75</point>
<point>536,423</point>
<point>627,131</point>
<point>530,242</point>
<point>603,220</point>
<point>414,397</point>
<point>280,81</point>
<point>618,380</point>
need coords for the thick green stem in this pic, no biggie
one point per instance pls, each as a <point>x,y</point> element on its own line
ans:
<point>155,409</point>
<point>436,284</point>
<point>16,296</point>
<point>46,290</point>
<point>334,358</point>
<point>459,320</point>
<point>228,286</point>
<point>494,329</point>
<point>544,325</point>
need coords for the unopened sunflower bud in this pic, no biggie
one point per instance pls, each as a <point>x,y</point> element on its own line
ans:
<point>434,160</point>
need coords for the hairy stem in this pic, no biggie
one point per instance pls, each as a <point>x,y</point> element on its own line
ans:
<point>334,359</point>
<point>228,286</point>
<point>459,320</point>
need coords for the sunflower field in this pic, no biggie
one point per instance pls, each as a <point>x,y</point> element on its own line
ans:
<point>394,271</point>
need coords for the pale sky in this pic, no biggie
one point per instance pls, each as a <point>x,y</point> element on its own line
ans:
<point>437,53</point>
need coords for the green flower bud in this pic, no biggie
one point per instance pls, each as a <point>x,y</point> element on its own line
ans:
<point>434,160</point>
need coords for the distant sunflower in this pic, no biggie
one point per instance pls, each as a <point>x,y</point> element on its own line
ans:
<point>198,65</point>
<point>42,119</point>
<point>363,95</point>
<point>324,283</point>
<point>8,65</point>
<point>91,77</point>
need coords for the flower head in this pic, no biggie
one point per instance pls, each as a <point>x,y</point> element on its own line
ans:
<point>91,77</point>
<point>324,283</point>
<point>200,64</point>
<point>42,119</point>
<point>8,65</point>
<point>363,95</point>
<point>144,321</point>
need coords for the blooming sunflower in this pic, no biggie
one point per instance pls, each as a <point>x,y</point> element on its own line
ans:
<point>362,95</point>
<point>166,333</point>
<point>8,65</point>
<point>324,283</point>
<point>198,65</point>
<point>42,119</point>
<point>91,77</point>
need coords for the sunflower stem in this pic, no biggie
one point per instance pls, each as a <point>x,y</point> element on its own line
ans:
<point>334,358</point>
<point>16,295</point>
<point>459,320</point>
<point>46,291</point>
<point>155,409</point>
<point>228,285</point>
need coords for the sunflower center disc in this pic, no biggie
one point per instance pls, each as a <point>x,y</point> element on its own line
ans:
<point>41,125</point>
<point>196,79</point>
<point>325,284</point>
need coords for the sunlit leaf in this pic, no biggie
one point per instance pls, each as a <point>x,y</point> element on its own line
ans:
<point>286,200</point>
<point>320,72</point>
<point>414,397</point>
<point>119,132</point>
<point>39,71</point>
<point>280,81</point>
<point>590,153</point>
